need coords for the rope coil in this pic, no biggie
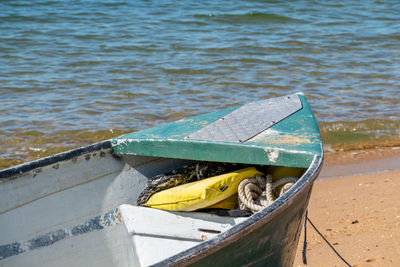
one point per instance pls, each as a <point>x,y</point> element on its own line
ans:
<point>257,192</point>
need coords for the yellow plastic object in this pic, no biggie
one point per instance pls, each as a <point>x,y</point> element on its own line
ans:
<point>230,203</point>
<point>279,172</point>
<point>200,194</point>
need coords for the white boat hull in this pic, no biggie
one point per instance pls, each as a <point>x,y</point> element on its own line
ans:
<point>81,212</point>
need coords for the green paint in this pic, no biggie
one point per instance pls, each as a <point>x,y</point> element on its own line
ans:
<point>291,142</point>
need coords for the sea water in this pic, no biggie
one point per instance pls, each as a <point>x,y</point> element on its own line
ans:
<point>75,72</point>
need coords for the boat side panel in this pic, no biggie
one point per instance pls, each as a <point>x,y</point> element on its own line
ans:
<point>54,198</point>
<point>50,179</point>
<point>68,206</point>
<point>57,198</point>
<point>272,244</point>
<point>16,171</point>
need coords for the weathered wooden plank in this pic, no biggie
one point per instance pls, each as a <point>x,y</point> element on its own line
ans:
<point>177,232</point>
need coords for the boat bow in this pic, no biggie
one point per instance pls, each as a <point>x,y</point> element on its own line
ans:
<point>280,131</point>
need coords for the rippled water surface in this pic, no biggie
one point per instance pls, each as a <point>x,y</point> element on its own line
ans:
<point>74,72</point>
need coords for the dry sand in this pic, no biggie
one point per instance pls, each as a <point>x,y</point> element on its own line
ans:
<point>358,214</point>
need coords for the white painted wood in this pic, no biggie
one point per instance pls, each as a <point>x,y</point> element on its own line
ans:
<point>74,204</point>
<point>161,234</point>
<point>55,178</point>
<point>68,194</point>
<point>152,249</point>
<point>174,225</point>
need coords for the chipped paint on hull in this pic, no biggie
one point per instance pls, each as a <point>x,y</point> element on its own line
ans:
<point>274,137</point>
<point>109,219</point>
<point>272,155</point>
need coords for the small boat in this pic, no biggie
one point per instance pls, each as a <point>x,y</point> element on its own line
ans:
<point>79,208</point>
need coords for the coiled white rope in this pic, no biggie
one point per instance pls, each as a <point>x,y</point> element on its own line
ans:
<point>258,192</point>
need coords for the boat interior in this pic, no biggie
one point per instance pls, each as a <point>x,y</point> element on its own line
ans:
<point>87,204</point>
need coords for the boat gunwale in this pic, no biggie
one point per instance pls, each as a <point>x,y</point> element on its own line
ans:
<point>15,171</point>
<point>233,234</point>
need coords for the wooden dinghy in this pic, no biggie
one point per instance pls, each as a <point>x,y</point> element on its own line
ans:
<point>78,208</point>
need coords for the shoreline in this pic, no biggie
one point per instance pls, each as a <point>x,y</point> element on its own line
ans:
<point>355,205</point>
<point>360,162</point>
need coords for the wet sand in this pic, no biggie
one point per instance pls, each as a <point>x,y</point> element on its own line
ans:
<point>359,213</point>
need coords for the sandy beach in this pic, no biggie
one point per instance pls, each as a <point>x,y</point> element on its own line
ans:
<point>359,213</point>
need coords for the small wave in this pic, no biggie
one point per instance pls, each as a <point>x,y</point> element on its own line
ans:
<point>250,18</point>
<point>89,111</point>
<point>85,63</point>
<point>142,48</point>
<point>25,19</point>
<point>114,4</point>
<point>96,37</point>
<point>365,134</point>
<point>186,71</point>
